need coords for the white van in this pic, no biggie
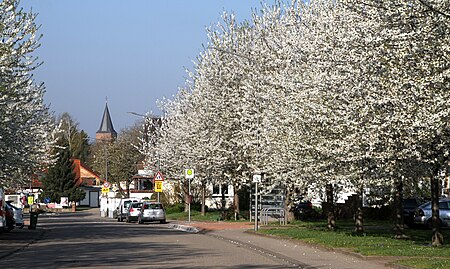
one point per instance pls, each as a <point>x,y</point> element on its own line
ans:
<point>122,209</point>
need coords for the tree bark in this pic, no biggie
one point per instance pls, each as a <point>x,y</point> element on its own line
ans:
<point>186,196</point>
<point>331,221</point>
<point>398,209</point>
<point>235,201</point>
<point>288,204</point>
<point>437,238</point>
<point>203,198</point>
<point>359,219</point>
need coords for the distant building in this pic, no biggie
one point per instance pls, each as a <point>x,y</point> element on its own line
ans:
<point>106,132</point>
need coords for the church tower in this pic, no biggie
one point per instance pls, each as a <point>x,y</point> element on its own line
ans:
<point>106,132</point>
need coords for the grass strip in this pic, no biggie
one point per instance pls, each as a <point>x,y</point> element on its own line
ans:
<point>425,263</point>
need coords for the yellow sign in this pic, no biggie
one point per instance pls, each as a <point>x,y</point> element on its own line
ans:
<point>105,190</point>
<point>158,186</point>
<point>30,200</point>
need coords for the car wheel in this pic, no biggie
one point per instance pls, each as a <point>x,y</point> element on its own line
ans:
<point>162,221</point>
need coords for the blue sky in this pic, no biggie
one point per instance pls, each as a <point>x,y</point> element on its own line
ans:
<point>134,52</point>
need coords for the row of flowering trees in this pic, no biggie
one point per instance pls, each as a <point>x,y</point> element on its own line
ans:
<point>349,92</point>
<point>26,125</point>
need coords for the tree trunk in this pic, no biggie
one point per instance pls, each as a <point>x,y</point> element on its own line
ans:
<point>398,209</point>
<point>288,205</point>
<point>186,197</point>
<point>74,206</point>
<point>235,201</point>
<point>331,221</point>
<point>359,220</point>
<point>128,188</point>
<point>203,198</point>
<point>437,238</point>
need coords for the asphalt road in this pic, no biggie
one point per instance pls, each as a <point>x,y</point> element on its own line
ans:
<point>84,240</point>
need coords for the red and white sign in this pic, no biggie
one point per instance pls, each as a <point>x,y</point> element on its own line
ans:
<point>158,177</point>
<point>106,185</point>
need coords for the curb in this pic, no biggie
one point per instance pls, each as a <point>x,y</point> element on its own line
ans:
<point>184,228</point>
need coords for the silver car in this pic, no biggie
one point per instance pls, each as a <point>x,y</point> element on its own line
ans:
<point>133,212</point>
<point>422,215</point>
<point>18,214</point>
<point>152,211</point>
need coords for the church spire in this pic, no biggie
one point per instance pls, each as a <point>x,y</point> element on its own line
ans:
<point>106,130</point>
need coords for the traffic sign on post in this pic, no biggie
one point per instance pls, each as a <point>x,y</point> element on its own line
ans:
<point>189,173</point>
<point>158,186</point>
<point>158,177</point>
<point>257,178</point>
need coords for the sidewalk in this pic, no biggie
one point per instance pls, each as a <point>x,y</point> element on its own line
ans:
<point>293,252</point>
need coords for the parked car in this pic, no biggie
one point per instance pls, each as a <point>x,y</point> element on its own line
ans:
<point>133,212</point>
<point>152,211</point>
<point>2,211</point>
<point>9,217</point>
<point>17,214</point>
<point>122,209</point>
<point>422,215</point>
<point>409,208</point>
<point>303,209</point>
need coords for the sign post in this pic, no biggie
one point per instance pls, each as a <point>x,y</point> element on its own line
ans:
<point>256,180</point>
<point>189,174</point>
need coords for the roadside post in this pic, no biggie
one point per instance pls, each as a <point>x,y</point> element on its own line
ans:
<point>189,174</point>
<point>256,180</point>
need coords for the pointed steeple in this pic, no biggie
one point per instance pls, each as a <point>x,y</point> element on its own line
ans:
<point>106,130</point>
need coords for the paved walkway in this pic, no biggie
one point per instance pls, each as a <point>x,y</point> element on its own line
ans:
<point>294,252</point>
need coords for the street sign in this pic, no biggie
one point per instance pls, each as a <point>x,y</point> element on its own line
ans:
<point>105,190</point>
<point>189,173</point>
<point>256,178</point>
<point>158,186</point>
<point>30,200</point>
<point>106,185</point>
<point>158,177</point>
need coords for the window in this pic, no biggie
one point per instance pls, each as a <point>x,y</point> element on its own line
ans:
<point>218,190</point>
<point>443,205</point>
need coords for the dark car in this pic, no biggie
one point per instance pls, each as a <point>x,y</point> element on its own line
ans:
<point>9,216</point>
<point>409,207</point>
<point>303,209</point>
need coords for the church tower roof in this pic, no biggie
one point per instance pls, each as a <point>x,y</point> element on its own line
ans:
<point>106,130</point>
